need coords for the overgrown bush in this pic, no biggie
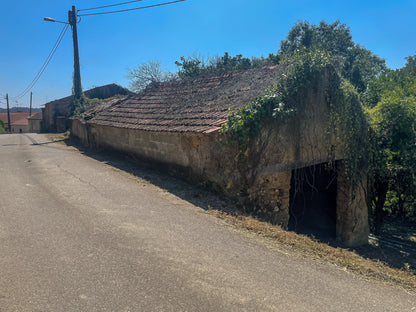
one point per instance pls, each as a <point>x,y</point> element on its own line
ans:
<point>394,125</point>
<point>83,104</point>
<point>347,120</point>
<point>277,102</point>
<point>2,127</point>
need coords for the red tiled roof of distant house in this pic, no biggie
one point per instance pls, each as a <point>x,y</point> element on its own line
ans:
<point>16,119</point>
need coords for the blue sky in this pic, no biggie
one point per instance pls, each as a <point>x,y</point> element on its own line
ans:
<point>110,44</point>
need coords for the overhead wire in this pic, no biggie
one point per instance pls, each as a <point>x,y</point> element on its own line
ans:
<point>132,9</point>
<point>45,64</point>
<point>65,28</point>
<point>110,5</point>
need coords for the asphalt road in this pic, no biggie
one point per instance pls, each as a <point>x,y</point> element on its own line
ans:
<point>77,234</point>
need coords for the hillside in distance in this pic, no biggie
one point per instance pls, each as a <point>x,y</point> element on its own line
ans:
<point>20,109</point>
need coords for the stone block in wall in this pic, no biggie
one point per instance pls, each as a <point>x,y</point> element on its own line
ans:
<point>271,195</point>
<point>352,226</point>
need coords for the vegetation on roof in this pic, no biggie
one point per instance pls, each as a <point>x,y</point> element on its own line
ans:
<point>92,97</point>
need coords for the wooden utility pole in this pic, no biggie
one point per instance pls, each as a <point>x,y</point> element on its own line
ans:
<point>72,19</point>
<point>8,114</point>
<point>30,107</point>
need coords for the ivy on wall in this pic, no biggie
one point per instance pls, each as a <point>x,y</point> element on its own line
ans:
<point>347,121</point>
<point>279,101</point>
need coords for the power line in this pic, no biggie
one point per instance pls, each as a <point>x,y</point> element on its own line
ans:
<point>139,8</point>
<point>107,6</point>
<point>45,64</point>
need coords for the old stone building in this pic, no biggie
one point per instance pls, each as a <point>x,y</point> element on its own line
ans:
<point>56,113</point>
<point>35,122</point>
<point>282,176</point>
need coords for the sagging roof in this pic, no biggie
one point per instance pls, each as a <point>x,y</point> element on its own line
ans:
<point>194,105</point>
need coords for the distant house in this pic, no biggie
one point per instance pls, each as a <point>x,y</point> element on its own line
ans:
<point>18,121</point>
<point>56,113</point>
<point>35,122</point>
<point>282,176</point>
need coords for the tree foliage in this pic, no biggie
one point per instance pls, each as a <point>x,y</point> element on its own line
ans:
<point>2,127</point>
<point>190,67</point>
<point>147,73</point>
<point>400,81</point>
<point>335,37</point>
<point>195,66</point>
<point>357,64</point>
<point>394,125</point>
<point>391,101</point>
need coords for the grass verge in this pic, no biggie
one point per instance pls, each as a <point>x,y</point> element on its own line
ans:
<point>341,257</point>
<point>59,136</point>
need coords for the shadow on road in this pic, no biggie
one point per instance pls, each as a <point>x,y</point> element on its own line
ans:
<point>160,176</point>
<point>396,245</point>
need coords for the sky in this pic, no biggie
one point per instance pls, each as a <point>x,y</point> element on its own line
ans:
<point>111,44</point>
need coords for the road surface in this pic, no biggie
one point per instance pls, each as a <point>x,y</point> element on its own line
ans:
<point>77,234</point>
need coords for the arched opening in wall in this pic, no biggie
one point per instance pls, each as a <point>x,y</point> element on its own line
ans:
<point>312,209</point>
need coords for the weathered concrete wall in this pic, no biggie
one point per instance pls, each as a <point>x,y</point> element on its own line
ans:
<point>79,131</point>
<point>20,128</point>
<point>57,109</point>
<point>34,125</point>
<point>204,156</point>
<point>352,216</point>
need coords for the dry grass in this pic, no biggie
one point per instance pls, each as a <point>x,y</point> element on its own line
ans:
<point>343,258</point>
<point>57,137</point>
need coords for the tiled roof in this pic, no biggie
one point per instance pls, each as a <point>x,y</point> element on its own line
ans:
<point>16,119</point>
<point>197,105</point>
<point>102,92</point>
<point>36,116</point>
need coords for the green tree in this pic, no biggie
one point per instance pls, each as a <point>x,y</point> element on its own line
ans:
<point>357,64</point>
<point>2,127</point>
<point>335,38</point>
<point>195,66</point>
<point>361,66</point>
<point>227,63</point>
<point>397,81</point>
<point>190,67</point>
<point>394,125</point>
<point>410,66</point>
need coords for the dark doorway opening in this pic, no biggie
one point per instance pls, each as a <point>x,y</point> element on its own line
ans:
<point>312,209</point>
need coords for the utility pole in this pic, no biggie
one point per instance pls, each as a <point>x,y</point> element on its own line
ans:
<point>72,20</point>
<point>30,108</point>
<point>8,114</point>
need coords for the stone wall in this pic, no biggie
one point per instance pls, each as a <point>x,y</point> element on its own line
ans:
<point>352,216</point>
<point>55,115</point>
<point>34,125</point>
